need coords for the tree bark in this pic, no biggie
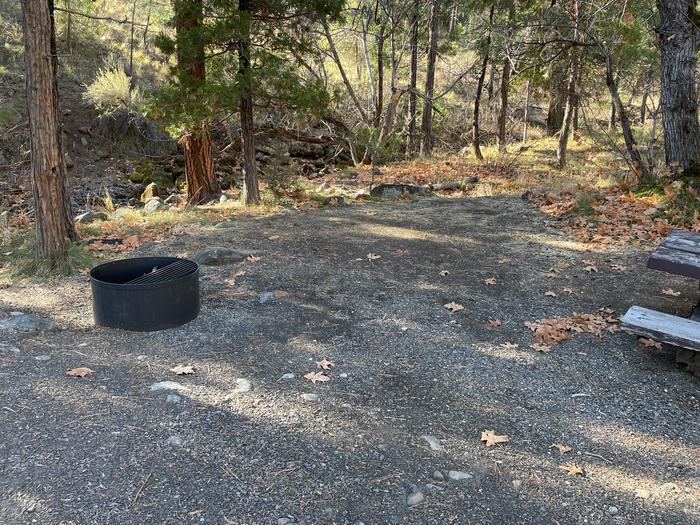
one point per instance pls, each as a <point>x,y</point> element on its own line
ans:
<point>612,118</point>
<point>412,145</point>
<point>426,144</point>
<point>558,91</point>
<point>251,190</point>
<point>528,92</point>
<point>52,209</point>
<point>199,168</point>
<point>572,93</point>
<point>379,106</point>
<point>476,139</point>
<point>678,41</point>
<point>638,164</point>
<point>505,85</point>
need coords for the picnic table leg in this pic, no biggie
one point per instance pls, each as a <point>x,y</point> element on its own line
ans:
<point>688,357</point>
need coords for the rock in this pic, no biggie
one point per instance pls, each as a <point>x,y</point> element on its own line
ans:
<point>167,385</point>
<point>172,200</point>
<point>285,521</point>
<point>173,398</point>
<point>613,511</point>
<point>3,159</point>
<point>526,196</point>
<point>218,255</point>
<point>433,442</point>
<point>242,385</point>
<point>26,323</point>
<point>70,163</point>
<point>175,441</point>
<point>83,130</point>
<point>266,297</point>
<point>287,377</point>
<point>5,218</point>
<point>313,398</point>
<point>134,202</point>
<point>344,375</point>
<point>333,200</point>
<point>438,476</point>
<point>91,216</point>
<point>642,494</point>
<point>6,348</point>
<point>151,190</point>
<point>414,496</point>
<point>458,475</point>
<point>43,357</point>
<point>154,204</point>
<point>397,190</point>
<point>363,195</point>
<point>83,141</point>
<point>516,483</point>
<point>224,197</point>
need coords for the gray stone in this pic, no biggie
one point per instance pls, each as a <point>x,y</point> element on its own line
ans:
<point>414,496</point>
<point>219,255</point>
<point>438,476</point>
<point>433,442</point>
<point>175,441</point>
<point>43,357</point>
<point>154,204</point>
<point>70,163</point>
<point>26,323</point>
<point>167,385</point>
<point>284,521</point>
<point>287,376</point>
<point>173,398</point>
<point>266,297</point>
<point>516,483</point>
<point>458,475</point>
<point>6,348</point>
<point>344,375</point>
<point>83,141</point>
<point>3,159</point>
<point>224,197</point>
<point>91,216</point>
<point>313,398</point>
<point>242,385</point>
<point>397,190</point>
<point>172,199</point>
<point>613,511</point>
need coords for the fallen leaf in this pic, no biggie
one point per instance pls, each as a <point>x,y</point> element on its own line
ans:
<point>79,372</point>
<point>239,273</point>
<point>562,448</point>
<point>504,261</point>
<point>567,290</point>
<point>550,294</point>
<point>230,282</point>
<point>373,256</point>
<point>490,438</point>
<point>444,273</point>
<point>279,294</point>
<point>649,343</point>
<point>540,347</point>
<point>253,258</point>
<point>619,267</point>
<point>590,269</point>
<point>671,292</point>
<point>183,370</point>
<point>400,252</point>
<point>315,377</point>
<point>273,238</point>
<point>490,281</point>
<point>494,323</point>
<point>454,307</point>
<point>510,346</point>
<point>325,363</point>
<point>572,469</point>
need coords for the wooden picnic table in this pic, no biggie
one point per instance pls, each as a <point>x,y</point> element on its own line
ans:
<point>678,254</point>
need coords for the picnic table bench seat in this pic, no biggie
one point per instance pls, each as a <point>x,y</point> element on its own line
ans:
<point>678,254</point>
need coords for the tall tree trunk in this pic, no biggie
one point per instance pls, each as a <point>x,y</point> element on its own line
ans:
<point>426,143</point>
<point>341,70</point>
<point>52,209</point>
<point>558,92</point>
<point>379,106</point>
<point>199,167</point>
<point>678,39</point>
<point>251,191</point>
<point>412,146</point>
<point>612,118</point>
<point>643,104</point>
<point>505,85</point>
<point>528,92</point>
<point>577,88</point>
<point>638,164</point>
<point>476,139</point>
<point>69,27</point>
<point>368,61</point>
<point>489,85</point>
<point>148,24</point>
<point>572,93</point>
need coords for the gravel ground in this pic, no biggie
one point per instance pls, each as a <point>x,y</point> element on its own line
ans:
<point>107,449</point>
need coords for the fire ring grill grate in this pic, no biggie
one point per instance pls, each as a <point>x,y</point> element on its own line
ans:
<point>145,294</point>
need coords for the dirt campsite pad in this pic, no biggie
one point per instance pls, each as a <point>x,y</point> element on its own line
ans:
<point>368,364</point>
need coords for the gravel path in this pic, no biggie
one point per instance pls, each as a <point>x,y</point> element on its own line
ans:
<point>394,436</point>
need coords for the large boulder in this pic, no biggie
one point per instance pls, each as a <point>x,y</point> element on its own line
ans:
<point>152,190</point>
<point>154,204</point>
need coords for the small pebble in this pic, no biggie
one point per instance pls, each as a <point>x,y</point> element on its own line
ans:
<point>343,376</point>
<point>433,442</point>
<point>4,347</point>
<point>613,510</point>
<point>414,497</point>
<point>458,475</point>
<point>243,385</point>
<point>266,297</point>
<point>173,398</point>
<point>517,483</point>
<point>175,441</point>
<point>42,357</point>
<point>287,377</point>
<point>438,476</point>
<point>311,397</point>
<point>167,385</point>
